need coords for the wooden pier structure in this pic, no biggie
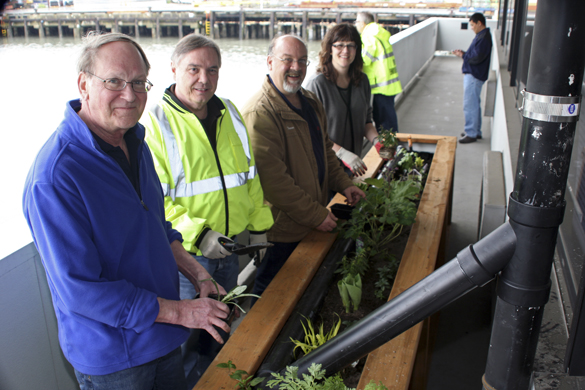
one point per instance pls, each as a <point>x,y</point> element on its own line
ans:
<point>218,22</point>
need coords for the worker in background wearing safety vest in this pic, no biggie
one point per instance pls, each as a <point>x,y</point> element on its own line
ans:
<point>380,66</point>
<point>205,163</point>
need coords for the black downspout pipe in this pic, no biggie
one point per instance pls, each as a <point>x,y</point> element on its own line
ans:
<point>474,266</point>
<point>536,207</point>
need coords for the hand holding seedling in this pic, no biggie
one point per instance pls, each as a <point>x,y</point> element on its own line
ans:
<point>203,313</point>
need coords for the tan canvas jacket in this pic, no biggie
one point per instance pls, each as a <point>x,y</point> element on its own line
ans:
<point>286,163</point>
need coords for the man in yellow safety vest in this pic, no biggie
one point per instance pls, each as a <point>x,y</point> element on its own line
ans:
<point>204,159</point>
<point>380,66</point>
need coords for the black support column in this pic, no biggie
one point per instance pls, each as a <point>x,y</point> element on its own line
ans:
<point>550,110</point>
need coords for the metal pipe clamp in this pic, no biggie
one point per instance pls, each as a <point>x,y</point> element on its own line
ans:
<point>550,108</point>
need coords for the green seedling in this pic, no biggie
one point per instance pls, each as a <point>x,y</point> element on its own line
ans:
<point>245,381</point>
<point>231,298</point>
<point>314,380</point>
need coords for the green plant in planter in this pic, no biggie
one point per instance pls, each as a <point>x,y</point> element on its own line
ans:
<point>373,386</point>
<point>385,275</point>
<point>411,165</point>
<point>350,289</point>
<point>387,137</point>
<point>231,298</point>
<point>245,381</point>
<point>314,380</point>
<point>379,217</point>
<point>314,340</point>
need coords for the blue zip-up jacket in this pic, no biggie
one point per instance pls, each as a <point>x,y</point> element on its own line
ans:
<point>476,59</point>
<point>106,252</point>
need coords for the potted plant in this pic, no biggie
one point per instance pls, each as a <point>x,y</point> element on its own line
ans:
<point>389,143</point>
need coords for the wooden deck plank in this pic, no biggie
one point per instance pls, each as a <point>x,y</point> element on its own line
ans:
<point>393,362</point>
<point>250,343</point>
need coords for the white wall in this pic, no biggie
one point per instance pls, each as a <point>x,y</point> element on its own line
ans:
<point>413,48</point>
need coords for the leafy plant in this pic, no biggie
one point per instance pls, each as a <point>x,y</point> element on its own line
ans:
<point>385,275</point>
<point>357,264</point>
<point>373,386</point>
<point>245,381</point>
<point>411,165</point>
<point>380,216</point>
<point>314,380</point>
<point>387,137</point>
<point>313,339</point>
<point>232,297</point>
<point>350,289</point>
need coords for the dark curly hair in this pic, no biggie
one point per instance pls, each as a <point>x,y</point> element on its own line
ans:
<point>343,32</point>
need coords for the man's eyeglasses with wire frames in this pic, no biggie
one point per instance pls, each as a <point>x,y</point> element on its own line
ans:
<point>119,84</point>
<point>289,61</point>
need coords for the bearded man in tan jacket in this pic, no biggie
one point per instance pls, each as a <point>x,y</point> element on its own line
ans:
<point>294,155</point>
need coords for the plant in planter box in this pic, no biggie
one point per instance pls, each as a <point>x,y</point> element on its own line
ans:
<point>411,166</point>
<point>350,289</point>
<point>245,381</point>
<point>313,339</point>
<point>314,380</point>
<point>389,142</point>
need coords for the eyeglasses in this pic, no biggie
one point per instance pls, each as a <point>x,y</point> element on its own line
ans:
<point>119,84</point>
<point>289,61</point>
<point>341,46</point>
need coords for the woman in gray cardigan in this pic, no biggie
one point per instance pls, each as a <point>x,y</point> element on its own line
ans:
<point>345,93</point>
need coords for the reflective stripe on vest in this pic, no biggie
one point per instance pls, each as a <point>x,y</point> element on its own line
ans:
<point>381,58</point>
<point>183,189</point>
<point>384,83</point>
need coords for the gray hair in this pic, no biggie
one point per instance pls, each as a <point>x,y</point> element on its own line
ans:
<point>94,40</point>
<point>192,42</point>
<point>365,17</point>
<point>273,42</point>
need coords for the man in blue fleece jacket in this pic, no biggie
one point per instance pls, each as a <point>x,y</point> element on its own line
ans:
<point>476,67</point>
<point>94,204</point>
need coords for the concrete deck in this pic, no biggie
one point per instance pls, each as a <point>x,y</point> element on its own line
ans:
<point>434,106</point>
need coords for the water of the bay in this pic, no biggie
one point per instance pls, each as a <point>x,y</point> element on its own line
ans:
<point>38,76</point>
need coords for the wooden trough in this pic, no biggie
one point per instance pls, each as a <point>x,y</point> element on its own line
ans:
<point>403,362</point>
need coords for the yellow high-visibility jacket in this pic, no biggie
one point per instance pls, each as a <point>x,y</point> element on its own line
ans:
<point>379,62</point>
<point>205,187</point>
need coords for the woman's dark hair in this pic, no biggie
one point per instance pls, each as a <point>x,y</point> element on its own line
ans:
<point>341,33</point>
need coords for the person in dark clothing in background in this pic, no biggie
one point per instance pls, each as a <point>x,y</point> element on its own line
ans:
<point>476,65</point>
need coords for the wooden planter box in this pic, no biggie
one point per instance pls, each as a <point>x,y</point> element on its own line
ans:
<point>402,363</point>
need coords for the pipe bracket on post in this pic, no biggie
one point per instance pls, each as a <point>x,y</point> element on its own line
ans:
<point>525,218</point>
<point>541,217</point>
<point>550,108</point>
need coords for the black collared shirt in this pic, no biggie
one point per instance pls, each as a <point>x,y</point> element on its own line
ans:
<point>307,112</point>
<point>130,168</point>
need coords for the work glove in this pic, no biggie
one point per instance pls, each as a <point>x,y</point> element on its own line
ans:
<point>257,239</point>
<point>377,144</point>
<point>210,246</point>
<point>352,161</point>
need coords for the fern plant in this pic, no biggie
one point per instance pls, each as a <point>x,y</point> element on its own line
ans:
<point>314,380</point>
